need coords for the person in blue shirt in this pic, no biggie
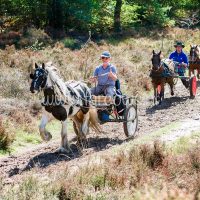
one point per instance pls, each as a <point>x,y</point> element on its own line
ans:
<point>104,76</point>
<point>179,56</point>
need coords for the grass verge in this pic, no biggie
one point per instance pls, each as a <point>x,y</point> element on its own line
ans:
<point>144,172</point>
<point>24,140</point>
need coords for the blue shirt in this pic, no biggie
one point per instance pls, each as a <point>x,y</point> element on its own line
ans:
<point>102,75</point>
<point>179,57</point>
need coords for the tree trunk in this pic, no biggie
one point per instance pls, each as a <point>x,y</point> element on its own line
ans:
<point>117,16</point>
<point>56,14</point>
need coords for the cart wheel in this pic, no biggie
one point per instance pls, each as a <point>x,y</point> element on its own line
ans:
<point>131,121</point>
<point>155,97</point>
<point>193,86</point>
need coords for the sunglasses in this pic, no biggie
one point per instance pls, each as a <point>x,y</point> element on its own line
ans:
<point>104,58</point>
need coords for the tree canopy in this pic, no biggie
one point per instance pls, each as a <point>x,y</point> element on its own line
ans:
<point>99,15</point>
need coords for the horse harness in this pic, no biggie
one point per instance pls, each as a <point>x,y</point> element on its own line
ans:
<point>195,62</point>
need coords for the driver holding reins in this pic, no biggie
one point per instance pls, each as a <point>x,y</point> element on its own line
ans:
<point>104,76</point>
<point>179,56</point>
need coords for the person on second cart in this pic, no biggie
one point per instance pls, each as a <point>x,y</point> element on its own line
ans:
<point>179,56</point>
<point>105,77</point>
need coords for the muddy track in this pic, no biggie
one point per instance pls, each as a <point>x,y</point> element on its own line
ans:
<point>43,159</point>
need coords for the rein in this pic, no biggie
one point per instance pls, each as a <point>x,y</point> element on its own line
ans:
<point>195,62</point>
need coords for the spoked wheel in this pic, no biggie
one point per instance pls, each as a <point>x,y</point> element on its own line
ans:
<point>131,121</point>
<point>155,98</point>
<point>193,86</point>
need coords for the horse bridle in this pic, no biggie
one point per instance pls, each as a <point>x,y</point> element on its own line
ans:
<point>42,74</point>
<point>158,66</point>
<point>194,56</point>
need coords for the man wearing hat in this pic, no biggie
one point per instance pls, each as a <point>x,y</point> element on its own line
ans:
<point>179,56</point>
<point>105,76</point>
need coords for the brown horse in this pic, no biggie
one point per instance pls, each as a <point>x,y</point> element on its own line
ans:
<point>194,60</point>
<point>158,80</point>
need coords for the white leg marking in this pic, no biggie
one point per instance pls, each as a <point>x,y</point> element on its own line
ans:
<point>45,135</point>
<point>64,140</point>
<point>85,125</point>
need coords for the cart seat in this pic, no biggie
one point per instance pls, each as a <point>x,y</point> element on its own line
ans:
<point>117,87</point>
<point>102,101</point>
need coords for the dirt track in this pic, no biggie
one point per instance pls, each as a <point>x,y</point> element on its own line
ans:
<point>43,159</point>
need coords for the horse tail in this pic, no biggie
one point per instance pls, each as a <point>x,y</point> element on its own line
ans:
<point>93,119</point>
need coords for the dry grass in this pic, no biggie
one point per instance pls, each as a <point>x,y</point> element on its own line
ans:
<point>153,157</point>
<point>195,159</point>
<point>14,84</point>
<point>24,120</point>
<point>131,55</point>
<point>31,38</point>
<point>6,138</point>
<point>145,172</point>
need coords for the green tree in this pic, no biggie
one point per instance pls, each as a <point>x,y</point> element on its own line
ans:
<point>99,16</point>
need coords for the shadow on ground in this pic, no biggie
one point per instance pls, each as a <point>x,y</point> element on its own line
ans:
<point>44,160</point>
<point>167,103</point>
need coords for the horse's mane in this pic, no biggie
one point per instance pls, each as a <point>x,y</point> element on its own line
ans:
<point>52,68</point>
<point>55,76</point>
<point>53,72</point>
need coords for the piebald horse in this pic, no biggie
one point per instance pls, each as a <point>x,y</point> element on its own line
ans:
<point>194,60</point>
<point>63,100</point>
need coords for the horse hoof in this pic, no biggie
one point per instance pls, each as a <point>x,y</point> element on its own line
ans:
<point>172,93</point>
<point>82,143</point>
<point>62,150</point>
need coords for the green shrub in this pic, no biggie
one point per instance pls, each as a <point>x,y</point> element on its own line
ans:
<point>153,157</point>
<point>6,139</point>
<point>129,15</point>
<point>98,182</point>
<point>195,158</point>
<point>71,43</point>
<point>34,39</point>
<point>155,14</point>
